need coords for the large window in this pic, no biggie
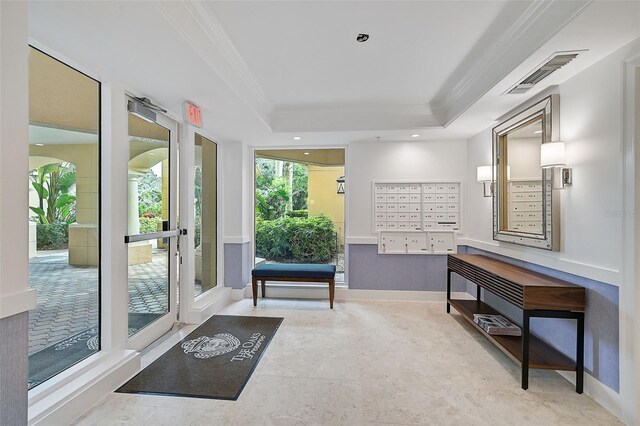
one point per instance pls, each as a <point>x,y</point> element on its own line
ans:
<point>299,204</point>
<point>64,237</point>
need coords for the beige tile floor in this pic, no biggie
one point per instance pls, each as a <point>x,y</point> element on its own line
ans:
<point>367,363</point>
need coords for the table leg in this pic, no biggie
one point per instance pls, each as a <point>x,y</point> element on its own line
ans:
<point>525,349</point>
<point>478,292</point>
<point>448,290</point>
<point>254,288</point>
<point>580,352</point>
<point>332,291</point>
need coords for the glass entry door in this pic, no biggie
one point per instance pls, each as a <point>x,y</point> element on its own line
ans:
<point>152,224</point>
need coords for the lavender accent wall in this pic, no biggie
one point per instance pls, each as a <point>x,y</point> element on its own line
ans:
<point>602,357</point>
<point>369,270</point>
<point>14,367</point>
<point>237,264</point>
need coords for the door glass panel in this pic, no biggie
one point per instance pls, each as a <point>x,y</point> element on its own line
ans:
<point>206,214</point>
<point>63,180</point>
<point>147,212</point>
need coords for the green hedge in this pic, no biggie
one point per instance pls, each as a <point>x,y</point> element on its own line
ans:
<point>298,213</point>
<point>149,224</point>
<point>297,240</point>
<point>52,236</point>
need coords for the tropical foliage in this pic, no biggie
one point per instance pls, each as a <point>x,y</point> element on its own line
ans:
<point>52,236</point>
<point>53,183</point>
<point>276,195</point>
<point>150,194</point>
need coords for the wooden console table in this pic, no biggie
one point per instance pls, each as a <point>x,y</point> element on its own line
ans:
<point>537,295</point>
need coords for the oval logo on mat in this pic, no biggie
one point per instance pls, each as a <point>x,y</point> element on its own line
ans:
<point>206,347</point>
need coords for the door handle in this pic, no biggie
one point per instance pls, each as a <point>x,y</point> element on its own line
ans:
<point>150,236</point>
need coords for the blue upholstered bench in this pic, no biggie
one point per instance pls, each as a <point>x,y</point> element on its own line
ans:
<point>301,272</point>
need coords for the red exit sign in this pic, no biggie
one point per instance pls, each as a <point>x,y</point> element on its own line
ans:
<point>193,115</point>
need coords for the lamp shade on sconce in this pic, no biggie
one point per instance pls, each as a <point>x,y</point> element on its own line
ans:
<point>484,174</point>
<point>552,154</point>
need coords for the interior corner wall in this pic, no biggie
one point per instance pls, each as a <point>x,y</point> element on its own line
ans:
<point>400,160</point>
<point>237,214</point>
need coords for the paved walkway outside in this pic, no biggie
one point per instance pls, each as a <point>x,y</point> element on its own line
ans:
<point>68,295</point>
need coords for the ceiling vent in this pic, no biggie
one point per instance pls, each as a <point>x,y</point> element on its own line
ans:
<point>557,61</point>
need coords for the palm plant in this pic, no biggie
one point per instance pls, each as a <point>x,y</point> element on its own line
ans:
<point>53,183</point>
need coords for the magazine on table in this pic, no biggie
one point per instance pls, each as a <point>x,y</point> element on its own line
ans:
<point>497,325</point>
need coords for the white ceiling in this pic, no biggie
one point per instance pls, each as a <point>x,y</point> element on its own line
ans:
<point>54,136</point>
<point>264,71</point>
<point>305,54</point>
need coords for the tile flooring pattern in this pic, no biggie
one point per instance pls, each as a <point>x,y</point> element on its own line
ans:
<point>371,363</point>
<point>67,295</point>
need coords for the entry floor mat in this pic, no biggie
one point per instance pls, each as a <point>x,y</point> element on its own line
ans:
<point>214,361</point>
<point>51,360</point>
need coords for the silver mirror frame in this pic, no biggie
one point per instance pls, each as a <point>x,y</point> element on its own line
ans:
<point>548,108</point>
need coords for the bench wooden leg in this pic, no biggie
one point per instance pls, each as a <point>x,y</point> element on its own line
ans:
<point>254,287</point>
<point>332,291</point>
<point>264,288</point>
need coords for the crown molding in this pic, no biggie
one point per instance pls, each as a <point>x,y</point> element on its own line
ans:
<point>353,117</point>
<point>206,36</point>
<point>530,28</point>
<point>533,27</point>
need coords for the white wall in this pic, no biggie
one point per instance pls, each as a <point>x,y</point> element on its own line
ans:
<point>232,160</point>
<point>15,296</point>
<point>524,158</point>
<point>410,160</point>
<point>592,208</point>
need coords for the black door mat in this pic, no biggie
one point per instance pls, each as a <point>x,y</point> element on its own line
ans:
<point>214,361</point>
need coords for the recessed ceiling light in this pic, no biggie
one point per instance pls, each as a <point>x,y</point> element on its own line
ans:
<point>39,144</point>
<point>296,138</point>
<point>538,132</point>
<point>361,38</point>
<point>306,153</point>
<point>415,135</point>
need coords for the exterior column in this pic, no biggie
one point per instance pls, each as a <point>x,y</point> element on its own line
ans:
<point>132,212</point>
<point>83,235</point>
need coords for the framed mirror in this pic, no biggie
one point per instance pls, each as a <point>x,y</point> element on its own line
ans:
<point>525,209</point>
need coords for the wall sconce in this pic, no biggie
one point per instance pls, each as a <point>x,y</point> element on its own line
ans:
<point>552,156</point>
<point>340,182</point>
<point>484,174</point>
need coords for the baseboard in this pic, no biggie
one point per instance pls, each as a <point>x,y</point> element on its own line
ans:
<point>209,304</point>
<point>241,293</point>
<point>310,291</point>
<point>400,295</point>
<point>69,395</point>
<point>599,392</point>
